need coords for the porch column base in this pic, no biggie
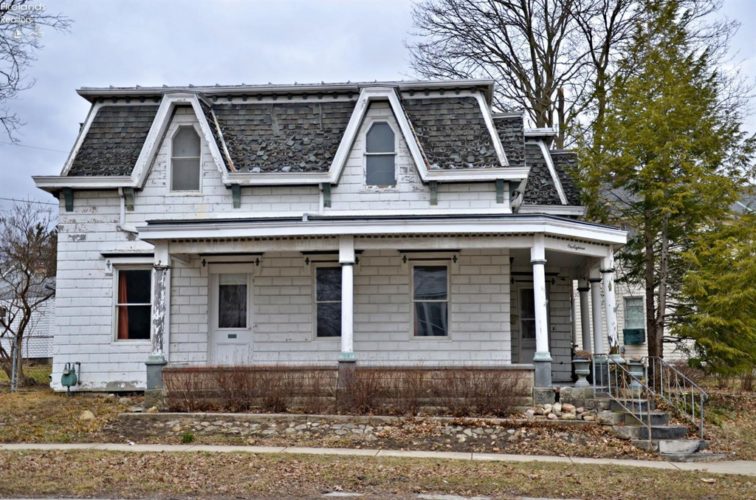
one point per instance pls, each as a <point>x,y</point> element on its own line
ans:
<point>543,395</point>
<point>347,357</point>
<point>542,363</point>
<point>154,394</point>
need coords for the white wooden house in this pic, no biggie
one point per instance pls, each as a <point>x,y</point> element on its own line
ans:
<point>395,223</point>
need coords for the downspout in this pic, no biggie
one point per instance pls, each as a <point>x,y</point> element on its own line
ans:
<point>122,219</point>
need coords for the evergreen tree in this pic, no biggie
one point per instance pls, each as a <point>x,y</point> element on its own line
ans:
<point>720,288</point>
<point>671,159</point>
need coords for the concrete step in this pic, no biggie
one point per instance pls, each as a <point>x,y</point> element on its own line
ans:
<point>633,404</point>
<point>598,403</point>
<point>671,446</point>
<point>658,417</point>
<point>635,432</point>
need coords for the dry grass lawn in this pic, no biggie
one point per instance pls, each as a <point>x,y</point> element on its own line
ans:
<point>184,475</point>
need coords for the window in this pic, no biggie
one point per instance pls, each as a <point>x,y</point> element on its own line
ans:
<point>634,317</point>
<point>527,313</point>
<point>634,332</point>
<point>185,160</point>
<point>430,299</point>
<point>379,153</point>
<point>328,301</point>
<point>232,301</point>
<point>134,307</point>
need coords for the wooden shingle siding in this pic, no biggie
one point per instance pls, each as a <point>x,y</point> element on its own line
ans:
<point>283,317</point>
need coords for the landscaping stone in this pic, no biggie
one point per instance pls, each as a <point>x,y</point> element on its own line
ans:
<point>86,415</point>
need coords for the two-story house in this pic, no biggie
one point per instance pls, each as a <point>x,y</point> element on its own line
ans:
<point>391,223</point>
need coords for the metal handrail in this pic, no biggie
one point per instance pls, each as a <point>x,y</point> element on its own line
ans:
<point>621,386</point>
<point>679,391</point>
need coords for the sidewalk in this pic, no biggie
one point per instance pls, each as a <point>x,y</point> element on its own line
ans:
<point>732,467</point>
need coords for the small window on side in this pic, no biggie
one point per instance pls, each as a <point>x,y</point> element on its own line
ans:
<point>133,304</point>
<point>328,301</point>
<point>430,297</point>
<point>185,160</point>
<point>380,156</point>
<point>634,316</point>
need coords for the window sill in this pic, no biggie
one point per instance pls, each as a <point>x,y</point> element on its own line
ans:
<point>193,194</point>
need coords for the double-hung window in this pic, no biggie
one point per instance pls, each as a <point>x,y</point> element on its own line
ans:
<point>185,160</point>
<point>133,304</point>
<point>328,301</point>
<point>380,156</point>
<point>634,332</point>
<point>430,300</point>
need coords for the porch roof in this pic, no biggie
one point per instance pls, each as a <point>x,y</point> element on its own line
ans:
<point>381,225</point>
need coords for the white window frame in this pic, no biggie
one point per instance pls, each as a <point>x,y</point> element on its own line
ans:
<point>315,300</point>
<point>232,269</point>
<point>117,268</point>
<point>624,304</point>
<point>430,263</point>
<point>369,125</point>
<point>177,128</point>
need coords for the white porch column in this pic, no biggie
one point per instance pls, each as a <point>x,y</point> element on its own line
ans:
<point>542,357</point>
<point>598,343</point>
<point>607,279</point>
<point>161,291</point>
<point>346,259</point>
<point>585,315</point>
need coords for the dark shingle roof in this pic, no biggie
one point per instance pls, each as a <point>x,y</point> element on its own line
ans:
<point>451,132</point>
<point>114,140</point>
<point>540,188</point>
<point>210,117</point>
<point>565,164</point>
<point>511,133</point>
<point>288,137</point>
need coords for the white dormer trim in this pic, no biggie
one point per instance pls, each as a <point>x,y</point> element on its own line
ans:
<point>159,128</point>
<point>147,154</point>
<point>552,170</point>
<point>488,118</point>
<point>368,95</point>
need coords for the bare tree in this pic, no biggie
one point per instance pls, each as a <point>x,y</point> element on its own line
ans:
<point>554,58</point>
<point>28,244</point>
<point>21,24</point>
<point>531,48</point>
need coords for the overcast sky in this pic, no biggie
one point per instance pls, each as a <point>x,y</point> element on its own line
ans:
<point>149,42</point>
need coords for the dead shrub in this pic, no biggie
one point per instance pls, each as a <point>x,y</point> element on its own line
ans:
<point>388,390</point>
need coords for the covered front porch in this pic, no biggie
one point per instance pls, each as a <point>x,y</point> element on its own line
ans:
<point>382,291</point>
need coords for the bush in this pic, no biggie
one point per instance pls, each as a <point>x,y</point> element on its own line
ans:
<point>458,391</point>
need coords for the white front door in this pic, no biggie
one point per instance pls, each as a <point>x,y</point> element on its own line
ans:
<point>527,325</point>
<point>229,312</point>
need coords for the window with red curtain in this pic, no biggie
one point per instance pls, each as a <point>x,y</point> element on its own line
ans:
<point>133,307</point>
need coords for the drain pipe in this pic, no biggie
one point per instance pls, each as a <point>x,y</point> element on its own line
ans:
<point>122,219</point>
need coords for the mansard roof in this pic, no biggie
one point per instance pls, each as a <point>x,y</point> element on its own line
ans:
<point>302,134</point>
<point>113,140</point>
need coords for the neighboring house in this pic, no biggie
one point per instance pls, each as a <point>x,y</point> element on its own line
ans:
<point>38,338</point>
<point>395,223</point>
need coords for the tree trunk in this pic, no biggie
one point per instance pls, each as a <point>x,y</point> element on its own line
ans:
<point>648,275</point>
<point>662,297</point>
<point>561,118</point>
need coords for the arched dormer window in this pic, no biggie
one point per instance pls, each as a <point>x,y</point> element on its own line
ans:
<point>185,160</point>
<point>380,156</point>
